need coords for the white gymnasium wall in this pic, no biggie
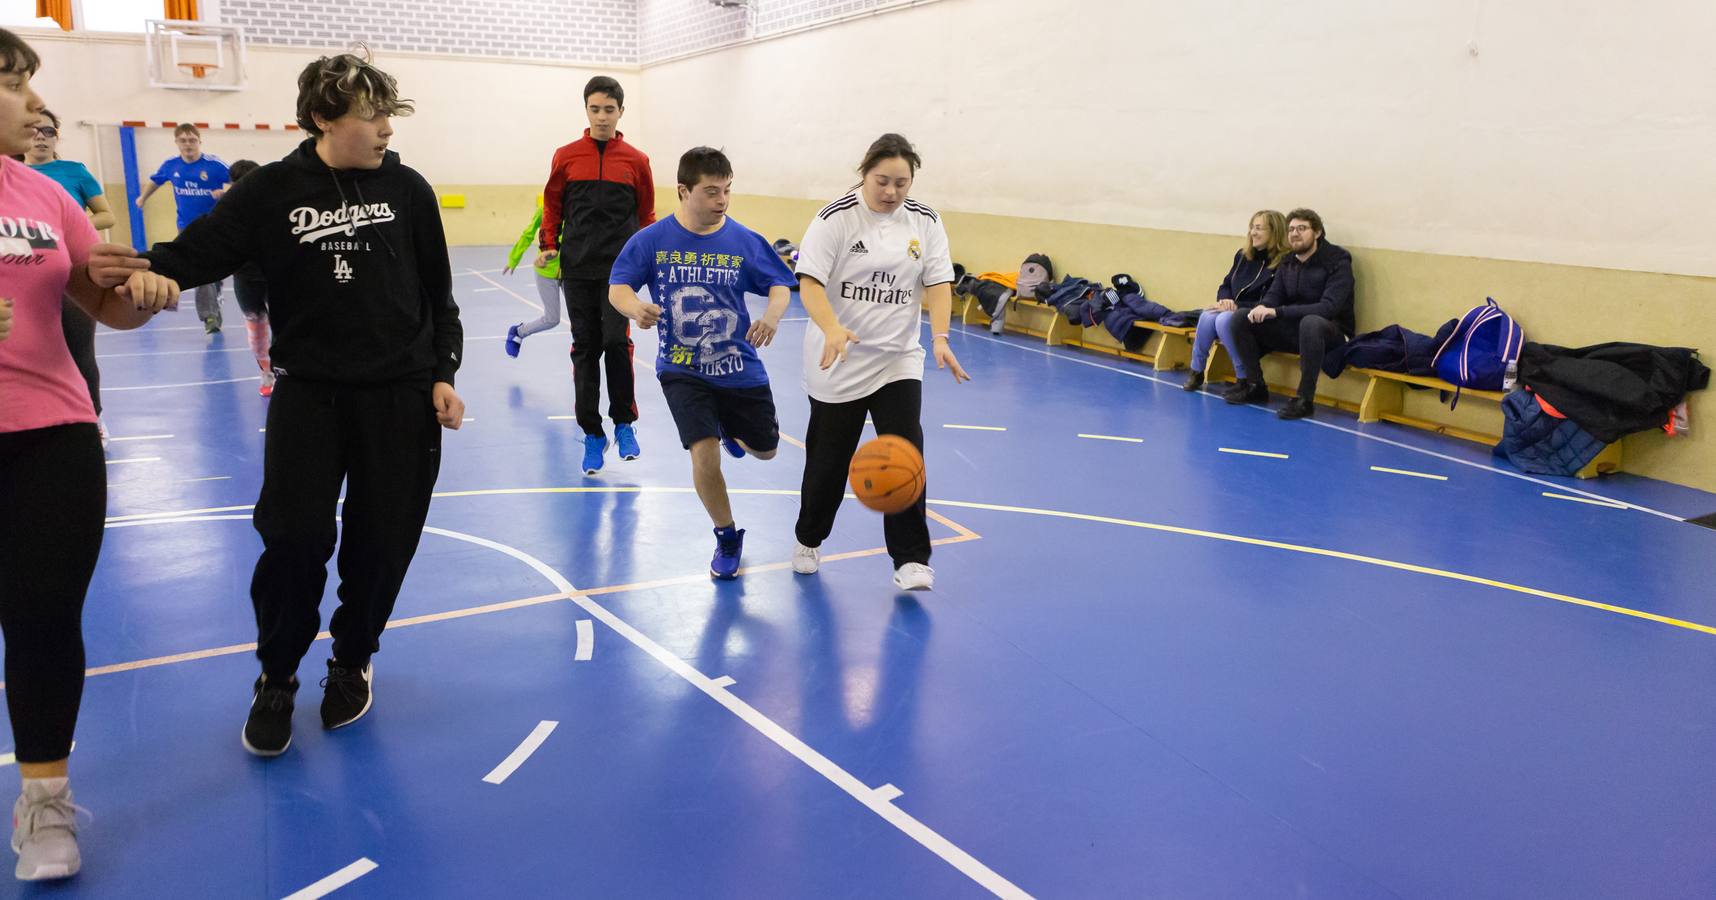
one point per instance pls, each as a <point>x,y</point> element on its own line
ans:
<point>1578,132</point>
<point>478,122</point>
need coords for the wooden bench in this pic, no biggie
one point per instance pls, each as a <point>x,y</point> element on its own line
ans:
<point>1170,348</point>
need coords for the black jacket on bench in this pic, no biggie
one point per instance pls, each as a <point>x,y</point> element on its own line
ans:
<point>1319,286</point>
<point>1614,389</point>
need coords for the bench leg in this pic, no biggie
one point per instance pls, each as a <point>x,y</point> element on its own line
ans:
<point>1174,351</point>
<point>972,312</point>
<point>1060,330</point>
<point>1218,368</point>
<point>1605,462</point>
<point>1381,397</point>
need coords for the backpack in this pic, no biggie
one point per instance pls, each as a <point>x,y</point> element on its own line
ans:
<point>1480,351</point>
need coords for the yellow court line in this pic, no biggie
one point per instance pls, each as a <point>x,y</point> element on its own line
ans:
<point>1554,496</point>
<point>506,605</point>
<point>1409,472</point>
<point>1337,554</point>
<point>1110,437</point>
<point>1253,453</point>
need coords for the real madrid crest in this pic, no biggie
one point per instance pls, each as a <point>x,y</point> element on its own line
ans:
<point>915,249</point>
<point>205,175</point>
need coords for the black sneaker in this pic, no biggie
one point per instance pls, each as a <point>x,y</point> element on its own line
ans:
<point>1194,381</point>
<point>268,731</point>
<point>1247,392</point>
<point>347,695</point>
<point>1296,408</point>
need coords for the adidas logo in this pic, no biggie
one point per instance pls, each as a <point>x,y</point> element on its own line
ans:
<point>858,248</point>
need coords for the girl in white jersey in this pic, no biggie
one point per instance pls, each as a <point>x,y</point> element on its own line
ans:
<point>869,265</point>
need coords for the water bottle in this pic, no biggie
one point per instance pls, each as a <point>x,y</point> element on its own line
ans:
<point>1511,376</point>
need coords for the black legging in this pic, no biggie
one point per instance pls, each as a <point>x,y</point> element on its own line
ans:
<point>79,329</point>
<point>53,506</point>
<point>829,442</point>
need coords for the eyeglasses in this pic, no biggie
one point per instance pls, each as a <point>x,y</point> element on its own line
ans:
<point>47,131</point>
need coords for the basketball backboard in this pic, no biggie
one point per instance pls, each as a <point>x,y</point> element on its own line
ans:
<point>194,56</point>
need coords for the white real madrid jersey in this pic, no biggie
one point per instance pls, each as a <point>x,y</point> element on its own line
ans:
<point>875,267</point>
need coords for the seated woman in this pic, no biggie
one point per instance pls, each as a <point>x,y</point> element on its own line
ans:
<point>1252,270</point>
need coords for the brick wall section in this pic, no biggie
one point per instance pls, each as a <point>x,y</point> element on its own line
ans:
<point>622,32</point>
<point>591,31</point>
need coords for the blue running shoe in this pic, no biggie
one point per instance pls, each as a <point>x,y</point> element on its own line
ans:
<point>626,440</point>
<point>732,447</point>
<point>729,543</point>
<point>514,343</point>
<point>595,447</point>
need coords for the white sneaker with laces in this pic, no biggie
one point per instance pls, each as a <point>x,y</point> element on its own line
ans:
<point>914,577</point>
<point>44,831</point>
<point>806,560</point>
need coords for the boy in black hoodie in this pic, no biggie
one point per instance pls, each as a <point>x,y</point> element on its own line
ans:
<point>366,341</point>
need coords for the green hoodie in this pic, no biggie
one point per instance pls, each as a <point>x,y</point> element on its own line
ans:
<point>527,243</point>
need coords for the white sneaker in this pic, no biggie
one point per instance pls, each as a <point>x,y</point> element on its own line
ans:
<point>44,832</point>
<point>914,577</point>
<point>806,560</point>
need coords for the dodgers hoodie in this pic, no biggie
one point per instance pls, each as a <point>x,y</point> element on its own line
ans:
<point>360,290</point>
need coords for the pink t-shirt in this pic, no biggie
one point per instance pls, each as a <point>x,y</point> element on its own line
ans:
<point>42,236</point>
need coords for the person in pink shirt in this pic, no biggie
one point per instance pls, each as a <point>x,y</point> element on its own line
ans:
<point>53,478</point>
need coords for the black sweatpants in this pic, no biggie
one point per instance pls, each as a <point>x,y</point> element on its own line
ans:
<point>601,340</point>
<point>53,507</point>
<point>1311,337</point>
<point>830,441</point>
<point>383,443</point>
<point>79,329</point>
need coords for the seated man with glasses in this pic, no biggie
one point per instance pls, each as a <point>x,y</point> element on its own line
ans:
<point>1308,310</point>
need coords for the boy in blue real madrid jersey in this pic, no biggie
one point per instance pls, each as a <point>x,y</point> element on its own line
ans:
<point>198,180</point>
<point>699,265</point>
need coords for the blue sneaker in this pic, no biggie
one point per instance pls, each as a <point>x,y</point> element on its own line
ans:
<point>627,440</point>
<point>595,447</point>
<point>732,447</point>
<point>729,543</point>
<point>514,343</point>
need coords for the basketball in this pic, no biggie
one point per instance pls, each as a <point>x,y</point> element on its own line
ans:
<point>887,474</point>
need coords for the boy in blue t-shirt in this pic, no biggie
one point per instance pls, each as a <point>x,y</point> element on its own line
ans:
<point>699,265</point>
<point>198,181</point>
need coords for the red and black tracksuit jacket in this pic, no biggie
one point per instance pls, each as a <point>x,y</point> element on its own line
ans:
<point>598,195</point>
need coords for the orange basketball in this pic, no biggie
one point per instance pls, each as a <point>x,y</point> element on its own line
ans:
<point>887,474</point>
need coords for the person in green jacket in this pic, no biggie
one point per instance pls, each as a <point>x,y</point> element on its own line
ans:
<point>547,286</point>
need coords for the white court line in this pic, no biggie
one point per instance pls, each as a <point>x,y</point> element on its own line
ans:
<point>485,290</point>
<point>204,478</point>
<point>1495,470</point>
<point>975,427</point>
<point>562,418</point>
<point>205,350</point>
<point>1253,453</point>
<point>725,681</point>
<point>887,793</point>
<point>115,462</point>
<point>335,881</point>
<point>478,272</point>
<point>470,420</point>
<point>515,295</point>
<point>157,387</point>
<point>141,437</point>
<point>1110,437</point>
<point>586,641</point>
<point>510,765</point>
<point>117,333</point>
<point>1609,504</point>
<point>1408,472</point>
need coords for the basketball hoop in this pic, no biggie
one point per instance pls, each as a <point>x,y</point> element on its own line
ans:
<point>198,70</point>
<point>194,56</point>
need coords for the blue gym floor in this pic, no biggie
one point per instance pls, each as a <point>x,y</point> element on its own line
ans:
<point>1149,669</point>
